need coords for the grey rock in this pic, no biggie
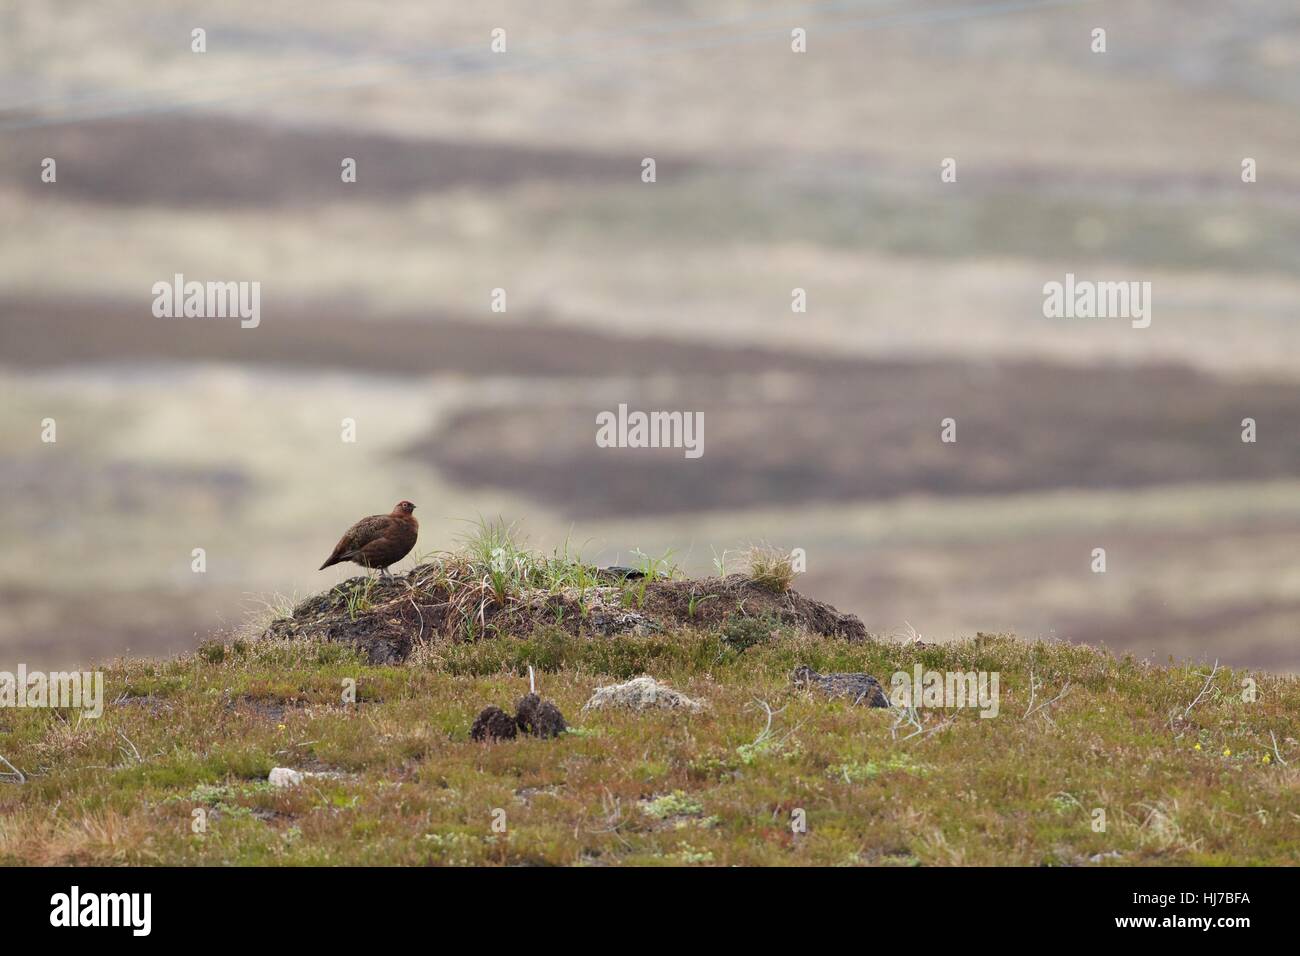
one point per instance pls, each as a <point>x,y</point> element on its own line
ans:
<point>860,688</point>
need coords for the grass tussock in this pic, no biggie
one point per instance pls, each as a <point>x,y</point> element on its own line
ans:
<point>1091,759</point>
<point>493,585</point>
<point>770,567</point>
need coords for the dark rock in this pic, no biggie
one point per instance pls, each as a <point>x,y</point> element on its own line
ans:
<point>620,572</point>
<point>493,723</point>
<point>861,688</point>
<point>617,572</point>
<point>538,717</point>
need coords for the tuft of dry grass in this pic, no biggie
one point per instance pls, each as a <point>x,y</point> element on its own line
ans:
<point>770,567</point>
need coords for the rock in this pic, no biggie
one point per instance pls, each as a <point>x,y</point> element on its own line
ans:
<point>618,572</point>
<point>641,693</point>
<point>493,723</point>
<point>621,572</point>
<point>861,688</point>
<point>538,717</point>
<point>607,623</point>
<point>285,777</point>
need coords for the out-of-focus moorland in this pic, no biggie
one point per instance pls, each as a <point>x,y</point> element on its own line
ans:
<point>775,171</point>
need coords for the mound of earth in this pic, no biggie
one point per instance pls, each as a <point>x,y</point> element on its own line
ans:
<point>533,715</point>
<point>493,723</point>
<point>541,718</point>
<point>388,617</point>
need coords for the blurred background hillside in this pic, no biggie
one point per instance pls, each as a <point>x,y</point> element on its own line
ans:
<point>775,171</point>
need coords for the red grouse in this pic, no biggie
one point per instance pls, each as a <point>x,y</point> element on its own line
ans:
<point>378,541</point>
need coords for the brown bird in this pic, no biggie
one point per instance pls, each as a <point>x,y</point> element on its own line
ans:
<point>378,541</point>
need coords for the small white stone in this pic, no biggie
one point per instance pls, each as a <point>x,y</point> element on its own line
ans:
<point>284,777</point>
<point>641,693</point>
